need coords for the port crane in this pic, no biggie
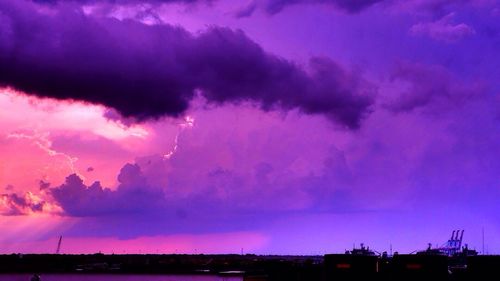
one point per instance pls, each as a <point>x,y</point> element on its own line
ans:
<point>454,245</point>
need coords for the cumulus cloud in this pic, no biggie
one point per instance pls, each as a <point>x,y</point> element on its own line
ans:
<point>265,188</point>
<point>430,87</point>
<point>148,71</point>
<point>133,195</point>
<point>223,172</point>
<point>443,29</point>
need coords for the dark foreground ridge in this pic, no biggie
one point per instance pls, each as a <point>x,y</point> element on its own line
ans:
<point>349,266</point>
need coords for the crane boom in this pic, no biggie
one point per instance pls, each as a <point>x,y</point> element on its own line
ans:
<point>460,240</point>
<point>59,245</point>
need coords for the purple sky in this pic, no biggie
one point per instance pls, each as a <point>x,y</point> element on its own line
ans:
<point>287,127</point>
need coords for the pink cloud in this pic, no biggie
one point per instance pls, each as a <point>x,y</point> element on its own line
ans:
<point>44,139</point>
<point>49,114</point>
<point>25,159</point>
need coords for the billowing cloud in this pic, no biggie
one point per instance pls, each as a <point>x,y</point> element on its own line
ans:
<point>133,195</point>
<point>216,189</point>
<point>252,167</point>
<point>443,29</point>
<point>150,71</point>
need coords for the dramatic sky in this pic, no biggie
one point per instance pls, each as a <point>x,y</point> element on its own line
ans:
<point>272,126</point>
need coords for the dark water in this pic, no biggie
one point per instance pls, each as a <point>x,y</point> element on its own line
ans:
<point>103,277</point>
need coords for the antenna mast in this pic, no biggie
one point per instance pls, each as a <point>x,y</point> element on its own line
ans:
<point>483,241</point>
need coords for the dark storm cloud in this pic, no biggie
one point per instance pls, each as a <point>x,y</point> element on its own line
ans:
<point>150,71</point>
